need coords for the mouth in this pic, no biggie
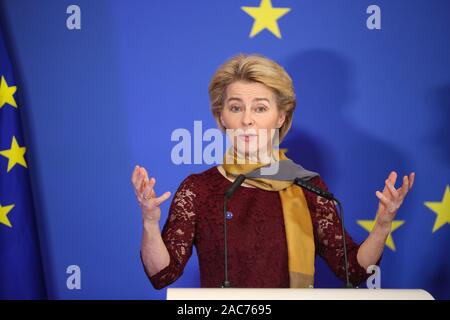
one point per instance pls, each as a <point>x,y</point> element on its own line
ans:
<point>247,137</point>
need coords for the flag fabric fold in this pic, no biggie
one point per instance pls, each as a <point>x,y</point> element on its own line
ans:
<point>21,271</point>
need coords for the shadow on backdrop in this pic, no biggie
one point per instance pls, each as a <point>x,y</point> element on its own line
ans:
<point>326,140</point>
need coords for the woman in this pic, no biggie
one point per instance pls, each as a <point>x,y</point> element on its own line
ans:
<point>276,227</point>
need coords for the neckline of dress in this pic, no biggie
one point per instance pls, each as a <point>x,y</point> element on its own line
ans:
<point>220,173</point>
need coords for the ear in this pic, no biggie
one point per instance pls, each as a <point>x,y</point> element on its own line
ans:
<point>281,119</point>
<point>222,121</point>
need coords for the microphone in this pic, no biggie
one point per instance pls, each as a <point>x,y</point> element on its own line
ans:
<point>227,195</point>
<point>236,183</point>
<point>330,196</point>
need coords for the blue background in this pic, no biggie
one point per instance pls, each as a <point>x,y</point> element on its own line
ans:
<point>99,100</point>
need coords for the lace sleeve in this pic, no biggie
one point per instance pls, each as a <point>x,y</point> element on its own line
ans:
<point>178,233</point>
<point>329,240</point>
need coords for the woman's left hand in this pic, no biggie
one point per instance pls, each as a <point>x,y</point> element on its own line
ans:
<point>391,198</point>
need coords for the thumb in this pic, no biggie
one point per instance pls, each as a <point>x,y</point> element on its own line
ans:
<point>162,198</point>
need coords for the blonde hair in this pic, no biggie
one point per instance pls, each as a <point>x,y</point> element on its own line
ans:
<point>253,68</point>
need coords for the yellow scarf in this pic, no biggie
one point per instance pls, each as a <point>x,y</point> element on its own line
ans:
<point>297,219</point>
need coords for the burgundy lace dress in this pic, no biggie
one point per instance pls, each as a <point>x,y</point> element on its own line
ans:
<point>257,247</point>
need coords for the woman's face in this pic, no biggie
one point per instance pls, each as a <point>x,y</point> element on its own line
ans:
<point>250,110</point>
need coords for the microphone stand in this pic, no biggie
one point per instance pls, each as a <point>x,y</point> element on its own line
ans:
<point>228,194</point>
<point>330,196</point>
<point>226,282</point>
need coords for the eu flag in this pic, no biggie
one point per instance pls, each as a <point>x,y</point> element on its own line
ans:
<point>21,274</point>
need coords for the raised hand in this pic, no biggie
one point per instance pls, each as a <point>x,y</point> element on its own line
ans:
<point>145,194</point>
<point>391,198</point>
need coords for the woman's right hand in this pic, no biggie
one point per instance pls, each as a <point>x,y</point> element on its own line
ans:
<point>146,196</point>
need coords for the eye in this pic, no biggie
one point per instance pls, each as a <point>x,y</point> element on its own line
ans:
<point>261,109</point>
<point>235,108</point>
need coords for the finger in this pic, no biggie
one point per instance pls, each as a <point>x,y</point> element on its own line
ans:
<point>148,191</point>
<point>162,198</point>
<point>393,177</point>
<point>144,171</point>
<point>386,202</point>
<point>411,179</point>
<point>140,178</point>
<point>150,184</point>
<point>382,197</point>
<point>145,181</point>
<point>405,187</point>
<point>134,174</point>
<point>392,189</point>
<point>143,184</point>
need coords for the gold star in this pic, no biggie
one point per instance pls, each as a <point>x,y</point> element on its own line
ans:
<point>15,155</point>
<point>442,209</point>
<point>3,215</point>
<point>368,225</point>
<point>7,94</point>
<point>265,17</point>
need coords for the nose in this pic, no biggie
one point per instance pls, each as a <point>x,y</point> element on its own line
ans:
<point>247,119</point>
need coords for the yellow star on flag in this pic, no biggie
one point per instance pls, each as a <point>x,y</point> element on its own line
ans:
<point>15,155</point>
<point>368,225</point>
<point>3,215</point>
<point>265,17</point>
<point>7,94</point>
<point>442,210</point>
